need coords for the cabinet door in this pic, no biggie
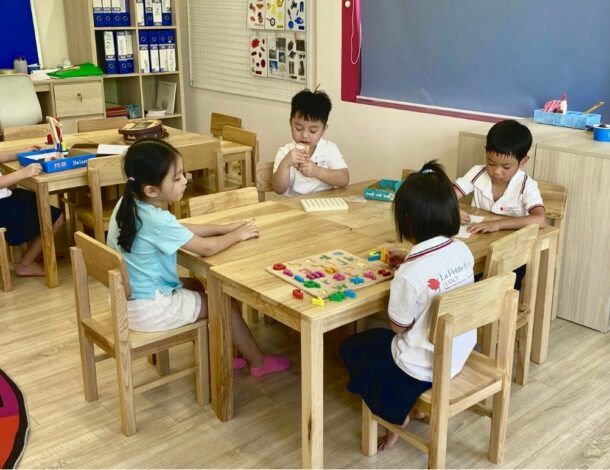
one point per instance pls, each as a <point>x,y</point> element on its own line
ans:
<point>78,98</point>
<point>584,287</point>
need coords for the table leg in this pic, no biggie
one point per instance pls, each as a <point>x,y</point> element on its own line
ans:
<point>46,234</point>
<point>312,395</point>
<point>221,349</point>
<point>544,302</point>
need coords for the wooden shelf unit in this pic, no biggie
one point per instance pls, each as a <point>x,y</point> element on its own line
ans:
<point>133,88</point>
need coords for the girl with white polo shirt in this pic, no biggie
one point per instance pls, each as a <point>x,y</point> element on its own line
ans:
<point>391,368</point>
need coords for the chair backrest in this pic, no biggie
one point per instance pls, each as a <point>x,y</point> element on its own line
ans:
<point>26,132</point>
<point>87,125</point>
<point>224,200</point>
<point>473,306</point>
<point>510,252</point>
<point>19,105</point>
<point>241,136</point>
<point>554,197</point>
<point>218,121</point>
<point>102,172</point>
<point>200,156</point>
<point>99,260</point>
<point>263,178</point>
<point>406,172</point>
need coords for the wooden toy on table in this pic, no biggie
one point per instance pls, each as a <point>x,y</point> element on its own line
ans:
<point>333,275</point>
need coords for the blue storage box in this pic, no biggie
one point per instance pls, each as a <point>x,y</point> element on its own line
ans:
<point>76,158</point>
<point>382,190</point>
<point>570,119</point>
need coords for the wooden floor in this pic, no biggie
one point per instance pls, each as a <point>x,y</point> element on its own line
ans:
<point>561,419</point>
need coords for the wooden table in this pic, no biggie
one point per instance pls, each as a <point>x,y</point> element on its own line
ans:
<point>47,183</point>
<point>239,272</point>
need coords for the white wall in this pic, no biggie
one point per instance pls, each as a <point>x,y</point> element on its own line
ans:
<point>376,142</point>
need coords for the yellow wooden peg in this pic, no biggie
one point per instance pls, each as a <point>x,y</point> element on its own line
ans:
<point>319,301</point>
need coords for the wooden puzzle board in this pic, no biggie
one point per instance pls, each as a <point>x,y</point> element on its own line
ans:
<point>331,263</point>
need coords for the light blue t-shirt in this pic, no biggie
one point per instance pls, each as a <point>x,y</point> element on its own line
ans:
<point>151,265</point>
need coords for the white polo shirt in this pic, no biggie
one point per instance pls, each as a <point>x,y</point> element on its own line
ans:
<point>520,197</point>
<point>432,267</point>
<point>326,155</point>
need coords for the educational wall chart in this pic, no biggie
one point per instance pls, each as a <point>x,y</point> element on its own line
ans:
<point>256,14</point>
<point>258,55</point>
<point>295,15</point>
<point>275,15</point>
<point>296,60</point>
<point>278,64</point>
<point>277,55</point>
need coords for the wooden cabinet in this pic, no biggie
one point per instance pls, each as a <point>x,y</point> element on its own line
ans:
<point>84,44</point>
<point>71,100</point>
<point>571,158</point>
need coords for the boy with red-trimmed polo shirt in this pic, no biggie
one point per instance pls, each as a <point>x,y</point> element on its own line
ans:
<point>501,186</point>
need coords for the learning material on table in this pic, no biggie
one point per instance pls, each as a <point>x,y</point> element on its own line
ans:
<point>474,219</point>
<point>324,204</point>
<point>332,272</point>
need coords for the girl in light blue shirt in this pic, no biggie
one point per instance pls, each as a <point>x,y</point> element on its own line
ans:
<point>148,236</point>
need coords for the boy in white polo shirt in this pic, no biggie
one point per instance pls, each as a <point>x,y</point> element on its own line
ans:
<point>310,163</point>
<point>501,186</point>
<point>391,368</point>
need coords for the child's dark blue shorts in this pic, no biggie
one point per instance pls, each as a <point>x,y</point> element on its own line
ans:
<point>19,215</point>
<point>388,391</point>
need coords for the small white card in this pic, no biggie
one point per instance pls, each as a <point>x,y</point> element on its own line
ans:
<point>108,149</point>
<point>474,219</point>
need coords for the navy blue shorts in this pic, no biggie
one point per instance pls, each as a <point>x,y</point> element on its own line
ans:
<point>19,215</point>
<point>388,391</point>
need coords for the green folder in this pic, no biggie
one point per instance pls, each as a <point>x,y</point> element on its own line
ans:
<point>83,70</point>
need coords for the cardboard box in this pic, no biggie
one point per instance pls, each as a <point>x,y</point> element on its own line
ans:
<point>382,190</point>
<point>77,157</point>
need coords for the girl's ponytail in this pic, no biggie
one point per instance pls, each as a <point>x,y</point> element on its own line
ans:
<point>127,217</point>
<point>147,162</point>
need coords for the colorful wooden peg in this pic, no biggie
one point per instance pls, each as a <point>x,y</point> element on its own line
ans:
<point>297,294</point>
<point>317,301</point>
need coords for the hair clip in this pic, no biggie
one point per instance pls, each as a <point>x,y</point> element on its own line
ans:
<point>427,170</point>
<point>131,178</point>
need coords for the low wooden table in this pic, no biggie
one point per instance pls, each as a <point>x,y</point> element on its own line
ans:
<point>239,273</point>
<point>47,183</point>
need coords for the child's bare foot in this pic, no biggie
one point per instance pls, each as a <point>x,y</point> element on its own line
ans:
<point>30,270</point>
<point>390,438</point>
<point>387,441</point>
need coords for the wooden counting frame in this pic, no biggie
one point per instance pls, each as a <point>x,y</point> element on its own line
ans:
<point>334,271</point>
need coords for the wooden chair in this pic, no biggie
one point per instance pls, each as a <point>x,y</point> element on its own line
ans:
<point>455,312</point>
<point>240,146</point>
<point>218,121</point>
<point>110,331</point>
<point>5,270</point>
<point>555,201</point>
<point>406,172</point>
<point>196,157</point>
<point>26,132</point>
<point>87,125</point>
<point>504,256</point>
<point>101,172</point>
<point>263,178</point>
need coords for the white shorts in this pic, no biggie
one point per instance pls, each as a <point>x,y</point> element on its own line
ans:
<point>164,312</point>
